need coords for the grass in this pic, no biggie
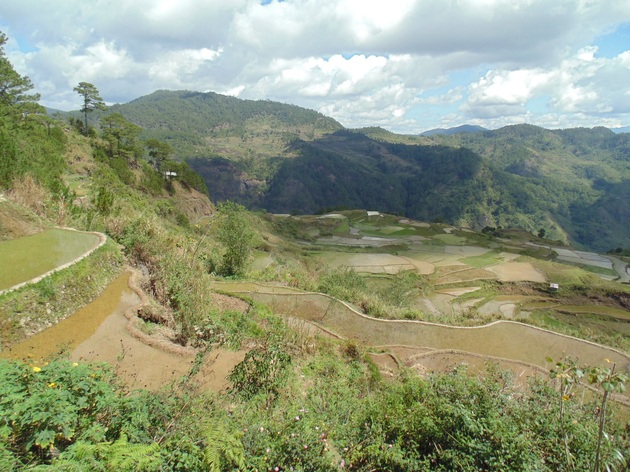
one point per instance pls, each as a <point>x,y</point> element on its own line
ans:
<point>563,274</point>
<point>484,260</point>
<point>598,270</point>
<point>451,239</point>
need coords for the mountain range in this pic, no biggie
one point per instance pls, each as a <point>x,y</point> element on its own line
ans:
<point>573,183</point>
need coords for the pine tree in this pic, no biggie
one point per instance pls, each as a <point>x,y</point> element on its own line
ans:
<point>91,101</point>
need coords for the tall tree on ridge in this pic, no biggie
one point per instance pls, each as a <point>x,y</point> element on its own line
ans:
<point>91,100</point>
<point>122,136</point>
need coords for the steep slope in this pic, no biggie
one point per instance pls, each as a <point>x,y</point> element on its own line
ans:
<point>428,183</point>
<point>581,176</point>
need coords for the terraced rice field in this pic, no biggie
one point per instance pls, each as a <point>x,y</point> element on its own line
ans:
<point>31,256</point>
<point>503,339</point>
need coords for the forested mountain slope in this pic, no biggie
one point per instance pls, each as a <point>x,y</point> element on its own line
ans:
<point>581,177</point>
<point>573,183</point>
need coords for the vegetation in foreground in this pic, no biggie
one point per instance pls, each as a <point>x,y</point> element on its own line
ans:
<point>297,402</point>
<point>322,411</point>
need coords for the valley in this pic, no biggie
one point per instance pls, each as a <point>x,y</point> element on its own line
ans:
<point>384,302</point>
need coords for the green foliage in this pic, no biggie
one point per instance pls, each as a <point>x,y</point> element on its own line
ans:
<point>609,381</point>
<point>104,201</point>
<point>262,372</point>
<point>343,283</point>
<point>403,288</point>
<point>152,181</point>
<point>52,406</point>
<point>223,449</point>
<point>237,236</point>
<point>119,455</point>
<point>29,142</point>
<point>159,152</point>
<point>121,136</point>
<point>15,101</point>
<point>186,176</point>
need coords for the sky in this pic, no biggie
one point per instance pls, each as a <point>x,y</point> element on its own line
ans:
<point>405,65</point>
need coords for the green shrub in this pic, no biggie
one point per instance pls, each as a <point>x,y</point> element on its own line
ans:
<point>237,235</point>
<point>47,408</point>
<point>344,283</point>
<point>262,372</point>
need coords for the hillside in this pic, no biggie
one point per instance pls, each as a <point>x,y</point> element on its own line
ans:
<point>354,341</point>
<point>210,124</point>
<point>266,155</point>
<point>455,130</point>
<point>580,177</point>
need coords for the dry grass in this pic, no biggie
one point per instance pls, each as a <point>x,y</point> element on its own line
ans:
<point>30,194</point>
<point>16,222</point>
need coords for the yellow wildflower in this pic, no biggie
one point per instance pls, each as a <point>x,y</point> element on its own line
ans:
<point>74,364</point>
<point>52,384</point>
<point>36,369</point>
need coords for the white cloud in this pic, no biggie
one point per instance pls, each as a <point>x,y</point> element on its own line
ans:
<point>356,59</point>
<point>501,93</point>
<point>174,69</point>
<point>582,85</point>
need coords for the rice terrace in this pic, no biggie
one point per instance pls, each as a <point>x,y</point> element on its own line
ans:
<point>192,281</point>
<point>495,291</point>
<point>492,293</point>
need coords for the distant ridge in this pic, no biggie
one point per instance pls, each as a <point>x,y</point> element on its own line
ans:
<point>455,130</point>
<point>624,129</point>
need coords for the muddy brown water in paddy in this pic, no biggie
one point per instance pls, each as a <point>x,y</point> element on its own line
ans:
<point>504,339</point>
<point>100,332</point>
<point>75,329</point>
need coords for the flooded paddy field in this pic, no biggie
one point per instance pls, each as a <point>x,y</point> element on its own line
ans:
<point>31,256</point>
<point>504,339</point>
<point>107,330</point>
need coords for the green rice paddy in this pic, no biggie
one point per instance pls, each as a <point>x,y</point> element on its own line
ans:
<point>25,258</point>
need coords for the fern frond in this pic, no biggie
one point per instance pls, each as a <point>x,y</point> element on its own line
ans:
<point>223,448</point>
